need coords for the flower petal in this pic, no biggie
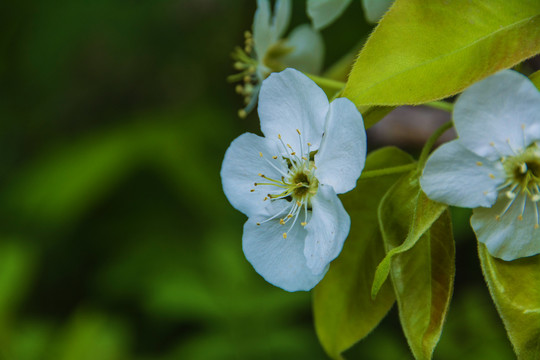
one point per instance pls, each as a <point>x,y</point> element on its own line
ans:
<point>456,176</point>
<point>498,115</point>
<point>342,155</point>
<point>240,169</point>
<point>508,238</point>
<point>324,12</point>
<point>308,53</point>
<point>326,230</point>
<point>280,261</point>
<point>262,32</point>
<point>289,100</point>
<point>282,17</point>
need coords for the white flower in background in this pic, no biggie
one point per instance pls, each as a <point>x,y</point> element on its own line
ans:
<point>287,182</point>
<point>266,50</point>
<point>325,12</point>
<point>494,165</point>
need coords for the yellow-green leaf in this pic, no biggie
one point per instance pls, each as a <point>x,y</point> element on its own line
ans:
<point>344,311</point>
<point>515,289</point>
<point>405,206</point>
<point>427,50</point>
<point>418,233</point>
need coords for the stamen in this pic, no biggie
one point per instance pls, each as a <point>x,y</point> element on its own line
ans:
<point>492,144</point>
<point>520,216</point>
<point>260,154</point>
<point>498,217</point>
<point>479,163</point>
<point>284,235</point>
<point>511,148</point>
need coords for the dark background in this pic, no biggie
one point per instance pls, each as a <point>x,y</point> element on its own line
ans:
<point>116,241</point>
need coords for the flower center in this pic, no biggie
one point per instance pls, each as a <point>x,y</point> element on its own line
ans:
<point>296,186</point>
<point>522,180</point>
<point>523,173</point>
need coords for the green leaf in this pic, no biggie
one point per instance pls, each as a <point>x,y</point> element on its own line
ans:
<point>344,311</point>
<point>405,214</point>
<point>535,78</point>
<point>428,50</point>
<point>422,266</point>
<point>515,289</point>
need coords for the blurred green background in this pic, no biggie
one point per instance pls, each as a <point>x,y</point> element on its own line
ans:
<point>116,241</point>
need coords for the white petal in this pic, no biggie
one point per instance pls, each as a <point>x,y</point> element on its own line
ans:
<point>456,176</point>
<point>375,9</point>
<point>308,53</point>
<point>342,155</point>
<point>263,34</point>
<point>503,109</point>
<point>240,169</point>
<point>289,100</point>
<point>282,17</point>
<point>324,12</point>
<point>508,238</point>
<point>327,229</point>
<point>280,261</point>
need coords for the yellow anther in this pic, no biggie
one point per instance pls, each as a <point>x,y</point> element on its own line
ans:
<point>260,154</point>
<point>304,158</point>
<point>279,136</point>
<point>492,143</point>
<point>239,89</point>
<point>261,175</point>
<point>293,153</point>
<point>298,203</point>
<point>255,184</point>
<point>303,223</point>
<point>242,113</point>
<point>498,218</point>
<point>289,216</point>
<point>492,176</point>
<point>479,163</point>
<point>265,199</point>
<point>252,190</point>
<point>308,144</point>
<point>258,224</point>
<point>284,235</point>
<point>290,147</point>
<point>274,157</point>
<point>520,217</point>
<point>282,222</point>
<point>485,192</point>
<point>298,131</point>
<point>536,226</point>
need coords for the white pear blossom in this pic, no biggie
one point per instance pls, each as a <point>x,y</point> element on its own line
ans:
<point>267,51</point>
<point>325,12</point>
<point>494,165</point>
<point>287,181</point>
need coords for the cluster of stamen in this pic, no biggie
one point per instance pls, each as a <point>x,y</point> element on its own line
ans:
<point>297,184</point>
<point>522,181</point>
<point>246,64</point>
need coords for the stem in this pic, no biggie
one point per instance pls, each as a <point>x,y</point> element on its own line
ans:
<point>441,105</point>
<point>431,141</point>
<point>387,171</point>
<point>324,82</point>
